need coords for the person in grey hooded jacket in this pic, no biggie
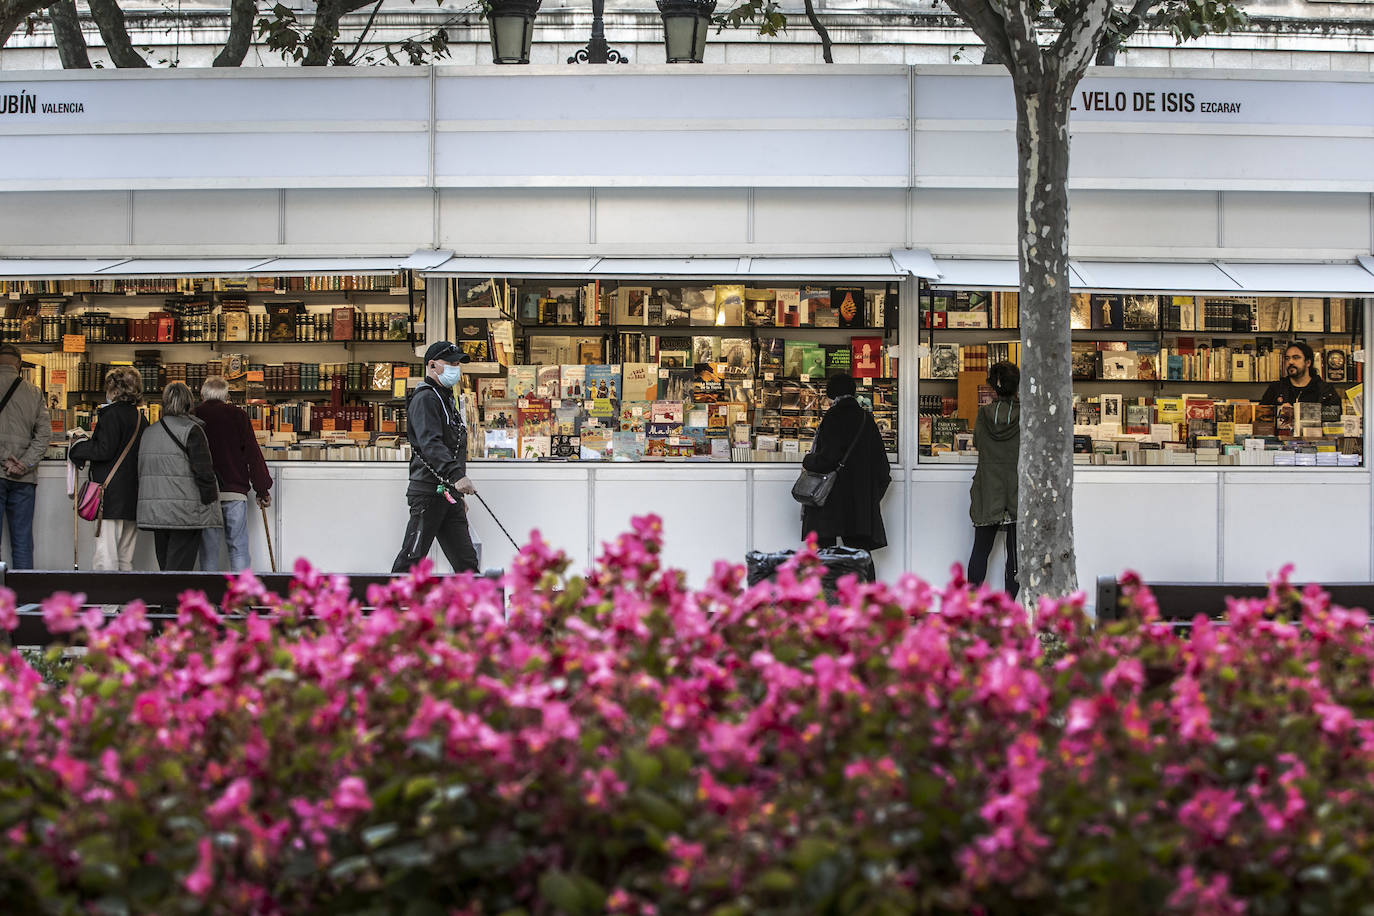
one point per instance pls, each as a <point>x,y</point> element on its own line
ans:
<point>994,494</point>
<point>177,493</point>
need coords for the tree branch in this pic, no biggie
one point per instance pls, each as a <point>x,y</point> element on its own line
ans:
<point>1019,17</point>
<point>14,12</point>
<point>324,31</point>
<point>367,27</point>
<point>66,32</point>
<point>986,24</point>
<point>1127,23</point>
<point>109,18</point>
<point>815,21</point>
<point>1078,41</point>
<point>241,13</point>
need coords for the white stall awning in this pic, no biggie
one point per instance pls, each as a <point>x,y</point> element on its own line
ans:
<point>84,268</point>
<point>52,268</point>
<point>917,262</point>
<point>879,267</point>
<point>1153,276</point>
<point>976,273</point>
<point>512,267</point>
<point>1325,279</point>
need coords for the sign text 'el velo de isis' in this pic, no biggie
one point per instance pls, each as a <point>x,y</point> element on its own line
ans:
<point>1223,100</point>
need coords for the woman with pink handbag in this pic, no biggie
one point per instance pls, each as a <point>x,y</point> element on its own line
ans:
<point>112,451</point>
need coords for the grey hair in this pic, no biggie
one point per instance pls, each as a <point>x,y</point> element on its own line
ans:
<point>214,388</point>
<point>177,400</point>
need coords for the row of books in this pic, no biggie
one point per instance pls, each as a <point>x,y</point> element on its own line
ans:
<point>966,309</point>
<point>782,419</point>
<point>139,285</point>
<point>194,322</point>
<point>1178,359</point>
<point>1188,422</point>
<point>724,305</point>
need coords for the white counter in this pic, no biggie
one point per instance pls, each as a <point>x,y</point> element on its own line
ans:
<point>1167,523</point>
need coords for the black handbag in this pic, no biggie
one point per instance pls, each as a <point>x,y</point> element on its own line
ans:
<point>812,487</point>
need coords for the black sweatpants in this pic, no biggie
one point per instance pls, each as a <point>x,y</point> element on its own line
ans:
<point>983,537</point>
<point>433,516</point>
<point>176,548</point>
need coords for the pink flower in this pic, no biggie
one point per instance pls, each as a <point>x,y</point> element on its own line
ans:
<point>1208,814</point>
<point>235,797</point>
<point>1336,719</point>
<point>71,772</point>
<point>1128,673</point>
<point>9,614</point>
<point>62,611</point>
<point>1082,716</point>
<point>202,878</point>
<point>351,795</point>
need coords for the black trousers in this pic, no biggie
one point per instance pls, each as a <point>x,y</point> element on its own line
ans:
<point>176,548</point>
<point>433,516</point>
<point>983,538</point>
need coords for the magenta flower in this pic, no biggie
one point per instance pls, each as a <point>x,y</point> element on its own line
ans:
<point>202,878</point>
<point>351,795</point>
<point>1208,814</point>
<point>62,612</point>
<point>9,614</point>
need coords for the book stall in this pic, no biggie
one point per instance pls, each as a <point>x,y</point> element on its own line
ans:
<point>652,309</point>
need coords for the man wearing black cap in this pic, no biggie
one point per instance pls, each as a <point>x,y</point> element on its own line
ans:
<point>438,466</point>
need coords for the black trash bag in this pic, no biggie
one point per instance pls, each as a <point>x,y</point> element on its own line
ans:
<point>762,566</point>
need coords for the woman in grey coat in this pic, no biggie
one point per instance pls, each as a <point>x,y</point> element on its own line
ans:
<point>177,493</point>
<point>995,491</point>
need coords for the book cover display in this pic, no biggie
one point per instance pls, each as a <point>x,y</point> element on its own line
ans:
<point>1145,365</point>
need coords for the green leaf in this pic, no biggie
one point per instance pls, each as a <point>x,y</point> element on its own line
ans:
<point>776,881</point>
<point>556,888</point>
<point>382,833</point>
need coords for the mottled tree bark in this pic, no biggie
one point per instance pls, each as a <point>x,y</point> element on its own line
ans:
<point>1044,531</point>
<point>109,18</point>
<point>241,14</point>
<point>1043,81</point>
<point>66,30</point>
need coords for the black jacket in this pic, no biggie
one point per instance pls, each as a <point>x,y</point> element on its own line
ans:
<point>438,438</point>
<point>1317,391</point>
<point>114,424</point>
<point>852,512</point>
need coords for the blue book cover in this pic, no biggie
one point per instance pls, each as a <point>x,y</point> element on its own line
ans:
<point>603,382</point>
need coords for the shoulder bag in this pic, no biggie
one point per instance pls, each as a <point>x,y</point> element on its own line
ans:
<point>90,499</point>
<point>812,487</point>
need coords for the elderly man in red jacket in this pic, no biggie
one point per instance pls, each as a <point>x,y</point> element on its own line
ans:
<point>238,464</point>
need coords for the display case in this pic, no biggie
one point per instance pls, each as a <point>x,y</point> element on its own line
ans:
<point>644,370</point>
<point>1160,378</point>
<point>320,362</point>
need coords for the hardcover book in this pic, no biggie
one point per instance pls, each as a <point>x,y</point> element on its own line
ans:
<point>1107,312</point>
<point>736,355</point>
<point>1080,312</point>
<point>700,303</point>
<point>789,309</point>
<point>849,305</point>
<point>760,307</point>
<point>1309,315</point>
<point>572,381</point>
<point>816,309</point>
<point>473,338</point>
<point>730,305</point>
<point>704,350</point>
<point>866,357</point>
<point>603,381</point>
<point>341,320</point>
<point>675,313</point>
<point>632,305</point>
<point>281,321</point>
<point>639,381</point>
<point>546,384</point>
<point>520,381</point>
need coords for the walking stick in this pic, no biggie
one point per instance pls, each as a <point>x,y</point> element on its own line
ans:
<point>267,530</point>
<point>496,520</point>
<point>76,527</point>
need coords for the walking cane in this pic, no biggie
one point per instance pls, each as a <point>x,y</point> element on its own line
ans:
<point>267,530</point>
<point>496,520</point>
<point>76,527</point>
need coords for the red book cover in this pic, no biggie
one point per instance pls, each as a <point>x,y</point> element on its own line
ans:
<point>866,357</point>
<point>343,323</point>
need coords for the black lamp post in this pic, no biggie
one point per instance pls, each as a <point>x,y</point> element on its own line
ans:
<point>512,29</point>
<point>597,50</point>
<point>685,24</point>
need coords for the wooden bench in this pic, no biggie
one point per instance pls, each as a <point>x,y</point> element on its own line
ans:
<point>160,591</point>
<point>1180,602</point>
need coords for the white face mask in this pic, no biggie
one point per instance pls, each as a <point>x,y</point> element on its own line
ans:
<point>450,375</point>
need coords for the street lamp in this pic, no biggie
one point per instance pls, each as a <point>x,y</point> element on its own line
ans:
<point>685,23</point>
<point>512,29</point>
<point>598,51</point>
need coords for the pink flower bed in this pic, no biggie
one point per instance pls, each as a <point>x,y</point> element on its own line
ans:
<point>620,743</point>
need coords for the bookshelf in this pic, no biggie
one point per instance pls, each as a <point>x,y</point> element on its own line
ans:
<point>704,371</point>
<point>1216,354</point>
<point>308,356</point>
